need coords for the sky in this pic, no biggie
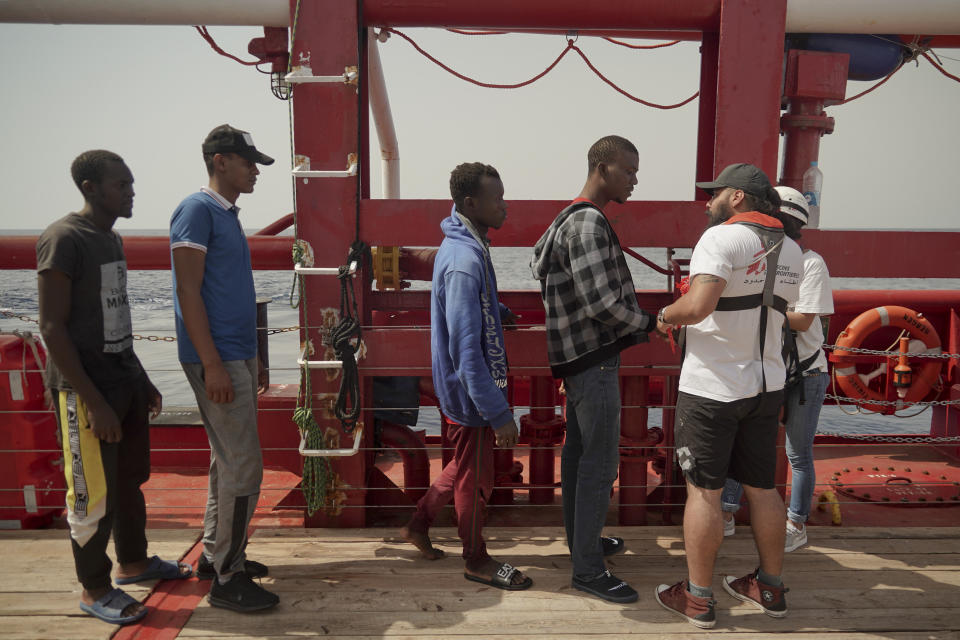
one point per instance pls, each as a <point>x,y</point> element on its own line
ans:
<point>151,94</point>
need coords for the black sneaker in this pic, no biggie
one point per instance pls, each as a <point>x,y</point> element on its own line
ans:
<point>609,587</point>
<point>252,568</point>
<point>612,545</point>
<point>241,594</point>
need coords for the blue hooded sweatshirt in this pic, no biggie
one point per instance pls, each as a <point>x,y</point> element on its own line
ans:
<point>466,336</point>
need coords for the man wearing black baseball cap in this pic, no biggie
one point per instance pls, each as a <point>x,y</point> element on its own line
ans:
<point>225,139</point>
<point>215,308</point>
<point>759,194</point>
<point>743,274</point>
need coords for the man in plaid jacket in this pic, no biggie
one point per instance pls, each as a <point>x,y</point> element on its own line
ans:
<point>592,315</point>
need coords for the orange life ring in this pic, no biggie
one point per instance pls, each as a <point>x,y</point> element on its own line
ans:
<point>925,377</point>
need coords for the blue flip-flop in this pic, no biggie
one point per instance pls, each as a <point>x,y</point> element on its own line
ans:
<point>159,570</point>
<point>110,608</point>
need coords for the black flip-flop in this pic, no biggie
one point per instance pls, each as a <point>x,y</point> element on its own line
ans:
<point>503,579</point>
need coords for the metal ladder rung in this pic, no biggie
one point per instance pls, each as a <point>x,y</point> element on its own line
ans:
<point>302,168</point>
<point>323,271</point>
<point>331,453</point>
<point>304,75</point>
<point>317,364</point>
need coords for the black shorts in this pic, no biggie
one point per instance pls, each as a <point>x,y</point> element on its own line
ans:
<point>716,440</point>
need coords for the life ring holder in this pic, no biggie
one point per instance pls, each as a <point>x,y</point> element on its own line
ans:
<point>927,375</point>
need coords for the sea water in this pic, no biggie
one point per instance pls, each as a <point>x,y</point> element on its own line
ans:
<point>151,304</point>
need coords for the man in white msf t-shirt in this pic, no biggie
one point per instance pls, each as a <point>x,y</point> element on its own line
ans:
<point>731,387</point>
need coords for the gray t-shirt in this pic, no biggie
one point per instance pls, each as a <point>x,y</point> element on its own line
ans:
<point>99,324</point>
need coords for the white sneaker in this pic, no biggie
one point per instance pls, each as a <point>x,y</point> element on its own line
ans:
<point>729,527</point>
<point>796,538</point>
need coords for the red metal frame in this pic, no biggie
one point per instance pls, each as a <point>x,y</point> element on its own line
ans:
<point>813,80</point>
<point>668,15</point>
<point>326,129</point>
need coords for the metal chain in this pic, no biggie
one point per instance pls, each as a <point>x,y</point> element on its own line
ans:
<point>891,354</point>
<point>271,332</point>
<point>891,403</point>
<point>137,336</point>
<point>899,439</point>
<point>7,314</point>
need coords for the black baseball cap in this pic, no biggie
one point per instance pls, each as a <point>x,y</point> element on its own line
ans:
<point>745,177</point>
<point>226,139</point>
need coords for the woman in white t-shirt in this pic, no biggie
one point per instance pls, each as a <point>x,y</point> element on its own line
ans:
<point>816,299</point>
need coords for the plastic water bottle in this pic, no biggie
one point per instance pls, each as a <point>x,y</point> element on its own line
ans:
<point>812,184</point>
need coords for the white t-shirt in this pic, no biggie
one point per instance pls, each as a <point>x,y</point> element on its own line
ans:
<point>723,351</point>
<point>816,296</point>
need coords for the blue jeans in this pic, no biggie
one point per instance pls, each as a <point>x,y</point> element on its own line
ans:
<point>801,428</point>
<point>588,465</point>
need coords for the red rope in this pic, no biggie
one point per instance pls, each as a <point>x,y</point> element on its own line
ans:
<point>940,68</point>
<point>876,86</point>
<point>206,36</point>
<point>570,46</point>
<point>478,82</point>
<point>624,93</point>
<point>641,46</point>
<point>477,33</point>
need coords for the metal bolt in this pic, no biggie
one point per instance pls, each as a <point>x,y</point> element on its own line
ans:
<point>876,468</point>
<point>859,468</point>
<point>890,469</point>
<point>904,500</point>
<point>922,499</point>
<point>845,470</point>
<point>926,473</point>
<point>886,499</point>
<point>866,495</point>
<point>907,469</point>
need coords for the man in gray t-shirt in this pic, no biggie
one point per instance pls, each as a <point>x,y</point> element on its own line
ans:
<point>102,396</point>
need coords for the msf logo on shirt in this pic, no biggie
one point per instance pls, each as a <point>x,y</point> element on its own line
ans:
<point>496,354</point>
<point>758,265</point>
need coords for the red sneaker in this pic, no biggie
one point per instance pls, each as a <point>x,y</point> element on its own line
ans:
<point>765,597</point>
<point>676,599</point>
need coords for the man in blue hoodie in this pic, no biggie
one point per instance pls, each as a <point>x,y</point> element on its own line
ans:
<point>469,373</point>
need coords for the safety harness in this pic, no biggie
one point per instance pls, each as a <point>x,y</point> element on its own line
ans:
<point>771,235</point>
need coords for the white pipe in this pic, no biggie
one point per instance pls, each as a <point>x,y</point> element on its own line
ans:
<point>268,13</point>
<point>928,17</point>
<point>383,120</point>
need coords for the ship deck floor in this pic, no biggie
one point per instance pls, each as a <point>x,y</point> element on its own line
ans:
<point>849,582</point>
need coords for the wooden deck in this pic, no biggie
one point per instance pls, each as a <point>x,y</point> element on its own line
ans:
<point>901,583</point>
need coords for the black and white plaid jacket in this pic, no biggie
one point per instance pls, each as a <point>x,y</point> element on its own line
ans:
<point>588,293</point>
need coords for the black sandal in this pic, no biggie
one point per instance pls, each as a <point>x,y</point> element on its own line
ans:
<point>503,579</point>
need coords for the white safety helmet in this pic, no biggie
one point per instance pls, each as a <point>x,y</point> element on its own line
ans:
<point>793,203</point>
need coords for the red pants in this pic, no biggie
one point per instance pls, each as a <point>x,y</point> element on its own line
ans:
<point>468,479</point>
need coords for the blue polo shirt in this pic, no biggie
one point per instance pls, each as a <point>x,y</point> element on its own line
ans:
<point>209,223</point>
